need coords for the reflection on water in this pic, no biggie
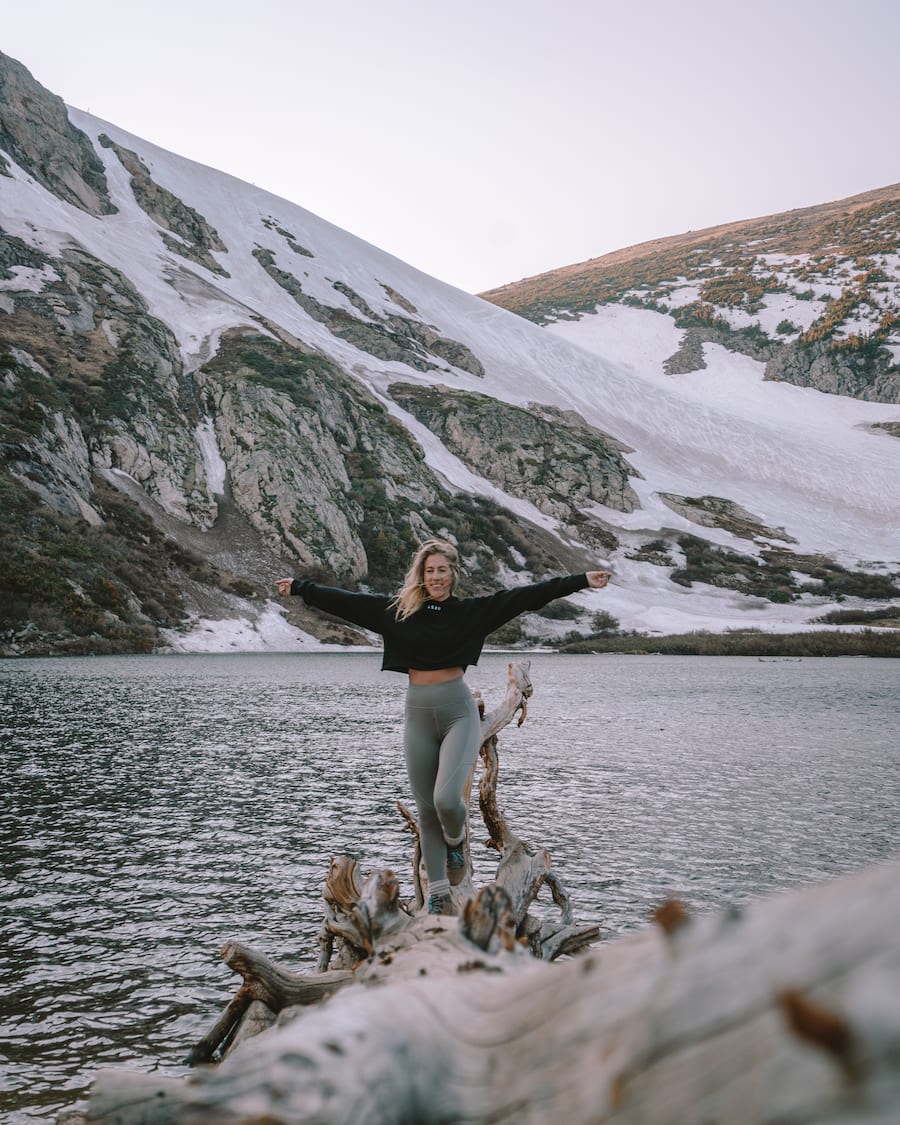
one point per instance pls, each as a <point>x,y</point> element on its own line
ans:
<point>156,807</point>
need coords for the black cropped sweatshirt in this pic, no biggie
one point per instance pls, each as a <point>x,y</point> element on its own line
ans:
<point>447,634</point>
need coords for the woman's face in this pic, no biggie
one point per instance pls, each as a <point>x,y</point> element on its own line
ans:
<point>437,574</point>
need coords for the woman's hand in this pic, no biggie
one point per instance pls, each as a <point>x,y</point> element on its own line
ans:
<point>597,579</point>
<point>284,586</point>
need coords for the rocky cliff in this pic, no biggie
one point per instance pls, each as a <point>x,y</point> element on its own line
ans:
<point>551,458</point>
<point>37,136</point>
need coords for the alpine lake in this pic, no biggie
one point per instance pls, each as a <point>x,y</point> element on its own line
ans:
<point>155,807</point>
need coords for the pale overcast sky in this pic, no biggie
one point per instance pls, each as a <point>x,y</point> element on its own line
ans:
<point>487,140</point>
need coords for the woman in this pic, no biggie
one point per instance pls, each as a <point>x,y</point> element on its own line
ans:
<point>432,636</point>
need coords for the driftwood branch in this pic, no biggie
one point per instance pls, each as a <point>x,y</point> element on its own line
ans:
<point>524,870</point>
<point>266,983</point>
<point>413,827</point>
<point>278,987</point>
<point>518,691</point>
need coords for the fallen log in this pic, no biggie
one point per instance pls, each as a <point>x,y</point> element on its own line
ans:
<point>776,1014</point>
<point>784,1012</point>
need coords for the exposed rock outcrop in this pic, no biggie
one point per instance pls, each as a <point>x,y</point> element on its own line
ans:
<point>396,339</point>
<point>715,511</point>
<point>865,373</point>
<point>189,234</point>
<point>690,357</point>
<point>101,370</point>
<point>36,132</point>
<point>272,224</point>
<point>326,475</point>
<point>550,457</point>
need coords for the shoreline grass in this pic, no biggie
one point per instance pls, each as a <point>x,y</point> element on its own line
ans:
<point>865,642</point>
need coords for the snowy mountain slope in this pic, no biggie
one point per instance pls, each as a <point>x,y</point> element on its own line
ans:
<point>812,474</point>
<point>786,454</point>
<point>814,292</point>
<point>792,455</point>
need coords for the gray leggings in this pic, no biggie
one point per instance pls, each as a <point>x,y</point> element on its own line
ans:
<point>441,741</point>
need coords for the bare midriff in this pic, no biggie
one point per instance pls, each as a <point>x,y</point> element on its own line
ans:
<point>435,676</point>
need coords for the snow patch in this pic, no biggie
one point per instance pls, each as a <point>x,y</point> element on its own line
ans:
<point>683,295</point>
<point>213,462</point>
<point>640,338</point>
<point>28,279</point>
<point>266,632</point>
<point>787,306</point>
<point>862,323</point>
<point>783,259</point>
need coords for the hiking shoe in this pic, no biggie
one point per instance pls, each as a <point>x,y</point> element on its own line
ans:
<point>440,904</point>
<point>456,863</point>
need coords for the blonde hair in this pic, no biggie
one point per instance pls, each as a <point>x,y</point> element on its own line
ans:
<point>412,594</point>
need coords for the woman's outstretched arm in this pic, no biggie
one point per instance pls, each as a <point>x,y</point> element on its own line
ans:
<point>494,610</point>
<point>366,610</point>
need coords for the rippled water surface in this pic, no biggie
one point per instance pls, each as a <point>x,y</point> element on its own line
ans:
<point>155,807</point>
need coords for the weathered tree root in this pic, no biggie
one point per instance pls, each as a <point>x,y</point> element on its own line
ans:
<point>266,983</point>
<point>357,918</point>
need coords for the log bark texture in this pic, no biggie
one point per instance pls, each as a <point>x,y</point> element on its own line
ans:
<point>787,1012</point>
